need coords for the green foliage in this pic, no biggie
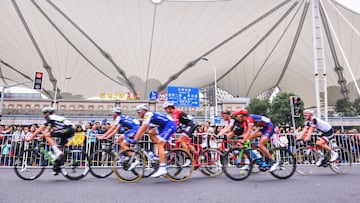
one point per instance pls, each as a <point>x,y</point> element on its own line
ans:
<point>258,106</point>
<point>343,106</point>
<point>280,110</point>
<point>356,105</point>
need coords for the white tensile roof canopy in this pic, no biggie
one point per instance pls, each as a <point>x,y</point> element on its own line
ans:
<point>117,46</point>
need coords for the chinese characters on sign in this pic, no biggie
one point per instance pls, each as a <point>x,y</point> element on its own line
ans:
<point>183,96</point>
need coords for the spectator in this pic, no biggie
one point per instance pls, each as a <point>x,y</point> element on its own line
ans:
<point>91,139</point>
<point>291,139</point>
<point>5,153</point>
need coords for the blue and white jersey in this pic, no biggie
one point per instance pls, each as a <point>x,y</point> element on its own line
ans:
<point>127,122</point>
<point>158,119</point>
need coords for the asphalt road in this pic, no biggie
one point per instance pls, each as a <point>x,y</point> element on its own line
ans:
<point>323,186</point>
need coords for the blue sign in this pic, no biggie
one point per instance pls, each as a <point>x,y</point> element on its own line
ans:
<point>217,119</point>
<point>184,96</point>
<point>153,95</point>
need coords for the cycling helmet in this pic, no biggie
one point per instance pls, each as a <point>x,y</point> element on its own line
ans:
<point>142,107</point>
<point>48,110</point>
<point>116,110</point>
<point>168,104</point>
<point>308,112</point>
<point>240,112</point>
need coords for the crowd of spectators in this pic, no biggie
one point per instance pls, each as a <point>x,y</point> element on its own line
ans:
<point>12,136</point>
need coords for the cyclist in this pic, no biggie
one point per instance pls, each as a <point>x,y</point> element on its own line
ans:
<point>164,127</point>
<point>181,118</point>
<point>265,131</point>
<point>55,126</point>
<point>120,121</point>
<point>311,124</point>
<point>226,115</point>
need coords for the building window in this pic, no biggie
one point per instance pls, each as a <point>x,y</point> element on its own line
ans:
<point>91,107</point>
<point>72,107</point>
<point>81,107</point>
<point>63,107</point>
<point>27,106</point>
<point>36,106</point>
<point>101,107</point>
<point>19,106</point>
<point>11,106</point>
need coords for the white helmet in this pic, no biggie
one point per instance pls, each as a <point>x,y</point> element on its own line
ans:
<point>168,104</point>
<point>308,112</point>
<point>116,110</point>
<point>142,107</point>
<point>48,110</point>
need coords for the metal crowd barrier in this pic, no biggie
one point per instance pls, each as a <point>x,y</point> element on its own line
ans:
<point>10,148</point>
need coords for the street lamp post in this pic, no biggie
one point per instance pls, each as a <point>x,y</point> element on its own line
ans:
<point>56,91</point>
<point>215,82</point>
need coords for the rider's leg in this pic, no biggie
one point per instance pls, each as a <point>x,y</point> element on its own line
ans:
<point>185,143</point>
<point>322,142</point>
<point>262,147</point>
<point>52,143</point>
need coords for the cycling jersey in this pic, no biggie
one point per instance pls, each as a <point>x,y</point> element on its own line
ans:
<point>181,117</point>
<point>165,124</point>
<point>61,127</point>
<point>265,124</point>
<point>131,124</point>
<point>238,127</point>
<point>322,126</point>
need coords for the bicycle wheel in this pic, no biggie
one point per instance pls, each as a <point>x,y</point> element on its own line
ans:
<point>123,162</point>
<point>179,165</point>
<point>29,165</point>
<point>75,164</point>
<point>151,167</point>
<point>287,163</point>
<point>210,161</point>
<point>236,164</point>
<point>306,161</point>
<point>343,163</point>
<point>101,163</point>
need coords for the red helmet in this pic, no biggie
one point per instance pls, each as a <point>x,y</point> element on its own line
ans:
<point>240,112</point>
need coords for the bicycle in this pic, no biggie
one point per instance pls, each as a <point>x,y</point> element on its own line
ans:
<point>175,160</point>
<point>30,165</point>
<point>208,160</point>
<point>226,144</point>
<point>101,161</point>
<point>236,168</point>
<point>307,157</point>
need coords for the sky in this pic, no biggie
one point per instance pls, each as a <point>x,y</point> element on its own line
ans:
<point>352,4</point>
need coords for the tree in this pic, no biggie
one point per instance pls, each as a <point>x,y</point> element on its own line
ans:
<point>343,106</point>
<point>280,110</point>
<point>258,106</point>
<point>356,105</point>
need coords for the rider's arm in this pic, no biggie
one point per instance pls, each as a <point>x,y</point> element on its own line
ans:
<point>226,129</point>
<point>109,133</point>
<point>247,132</point>
<point>37,131</point>
<point>303,133</point>
<point>309,133</point>
<point>140,132</point>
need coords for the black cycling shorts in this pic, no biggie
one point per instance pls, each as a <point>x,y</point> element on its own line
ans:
<point>64,134</point>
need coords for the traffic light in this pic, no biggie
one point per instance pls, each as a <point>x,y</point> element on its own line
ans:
<point>296,106</point>
<point>38,80</point>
